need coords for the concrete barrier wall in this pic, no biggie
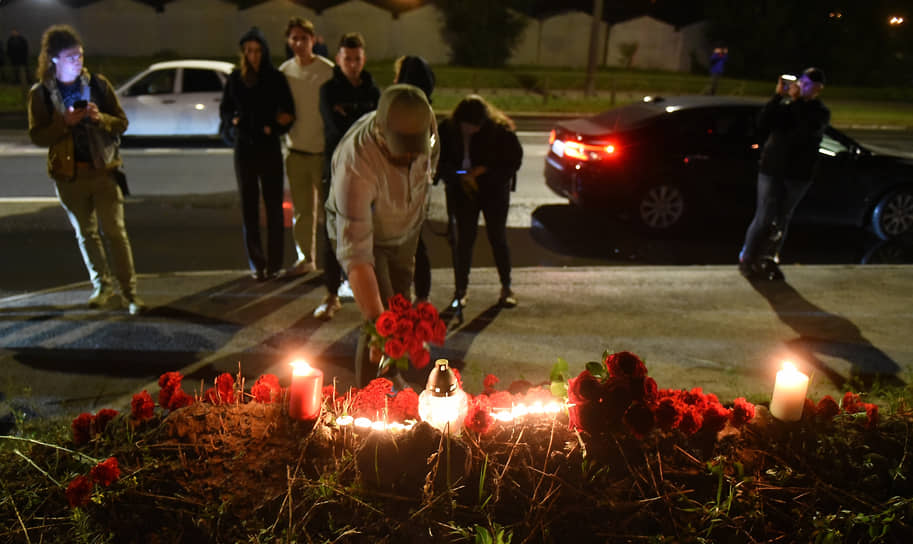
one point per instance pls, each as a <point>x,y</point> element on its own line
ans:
<point>210,28</point>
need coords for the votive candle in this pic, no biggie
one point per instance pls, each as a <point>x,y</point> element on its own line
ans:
<point>306,391</point>
<point>790,391</point>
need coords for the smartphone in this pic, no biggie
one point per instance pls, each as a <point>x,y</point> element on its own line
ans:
<point>80,104</point>
<point>787,79</point>
<point>461,171</point>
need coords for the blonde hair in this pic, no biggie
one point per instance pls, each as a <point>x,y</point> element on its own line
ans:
<point>54,40</point>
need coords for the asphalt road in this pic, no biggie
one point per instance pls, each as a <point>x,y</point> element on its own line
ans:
<point>696,325</point>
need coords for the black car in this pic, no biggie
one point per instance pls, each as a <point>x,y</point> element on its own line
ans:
<point>665,162</point>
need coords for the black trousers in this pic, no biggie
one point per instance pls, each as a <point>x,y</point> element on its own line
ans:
<point>777,200</point>
<point>332,270</point>
<point>422,270</point>
<point>463,210</point>
<point>258,167</point>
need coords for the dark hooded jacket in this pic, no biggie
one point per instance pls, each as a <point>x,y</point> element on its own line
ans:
<point>415,71</point>
<point>341,104</point>
<point>792,130</point>
<point>256,106</point>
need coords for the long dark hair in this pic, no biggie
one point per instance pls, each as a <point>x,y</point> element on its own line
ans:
<point>476,110</point>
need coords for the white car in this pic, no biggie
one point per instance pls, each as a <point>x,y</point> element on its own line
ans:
<point>175,98</point>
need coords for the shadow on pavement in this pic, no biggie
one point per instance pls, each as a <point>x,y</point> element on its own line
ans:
<point>568,230</point>
<point>824,333</point>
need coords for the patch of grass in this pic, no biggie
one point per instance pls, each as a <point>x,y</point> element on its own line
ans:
<point>520,89</point>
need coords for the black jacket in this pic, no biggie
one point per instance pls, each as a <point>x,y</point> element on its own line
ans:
<point>793,131</point>
<point>341,105</point>
<point>415,71</point>
<point>495,146</point>
<point>257,106</point>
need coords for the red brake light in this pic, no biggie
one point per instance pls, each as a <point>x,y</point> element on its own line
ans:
<point>589,152</point>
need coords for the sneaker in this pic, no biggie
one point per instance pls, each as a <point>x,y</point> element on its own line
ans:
<point>459,300</point>
<point>135,305</point>
<point>328,308</point>
<point>258,275</point>
<point>508,299</point>
<point>345,290</point>
<point>299,269</point>
<point>100,296</point>
<point>770,270</point>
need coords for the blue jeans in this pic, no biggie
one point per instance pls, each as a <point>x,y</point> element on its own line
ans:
<point>777,200</point>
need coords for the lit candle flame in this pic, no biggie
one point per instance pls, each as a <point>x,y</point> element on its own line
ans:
<point>300,367</point>
<point>788,366</point>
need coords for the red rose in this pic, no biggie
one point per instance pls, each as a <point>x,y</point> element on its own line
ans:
<point>394,348</point>
<point>82,428</point>
<point>489,383</point>
<point>427,312</point>
<point>715,416</point>
<point>266,388</point>
<point>871,413</point>
<point>458,375</point>
<point>398,303</point>
<point>102,418</point>
<point>618,397</point>
<point>403,327</point>
<point>142,406</point>
<point>168,382</point>
<point>180,399</point>
<point>479,418</point>
<point>808,409</point>
<point>440,332</point>
<point>668,413</point>
<point>106,472</point>
<point>211,396</point>
<point>625,363</point>
<point>584,388</point>
<point>691,420</point>
<point>644,389</point>
<point>225,385</point>
<point>420,358</point>
<point>742,412</point>
<point>852,403</point>
<point>386,323</point>
<point>371,401</point>
<point>404,405</point>
<point>79,491</point>
<point>827,408</point>
<point>639,419</point>
<point>423,331</point>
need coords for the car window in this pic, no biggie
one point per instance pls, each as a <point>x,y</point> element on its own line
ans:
<point>157,82</point>
<point>730,123</point>
<point>628,116</point>
<point>200,80</point>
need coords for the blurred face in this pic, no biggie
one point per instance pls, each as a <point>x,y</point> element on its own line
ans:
<point>351,61</point>
<point>300,42</point>
<point>805,88</point>
<point>68,64</point>
<point>253,52</point>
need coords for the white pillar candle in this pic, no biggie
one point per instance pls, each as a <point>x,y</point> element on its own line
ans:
<point>790,390</point>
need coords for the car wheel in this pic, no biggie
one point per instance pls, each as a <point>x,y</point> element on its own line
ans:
<point>661,207</point>
<point>893,215</point>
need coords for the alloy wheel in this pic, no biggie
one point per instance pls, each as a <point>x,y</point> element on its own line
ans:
<point>662,206</point>
<point>894,214</point>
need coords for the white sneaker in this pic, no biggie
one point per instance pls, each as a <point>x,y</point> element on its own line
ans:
<point>135,305</point>
<point>100,296</point>
<point>328,308</point>
<point>345,290</point>
<point>299,269</point>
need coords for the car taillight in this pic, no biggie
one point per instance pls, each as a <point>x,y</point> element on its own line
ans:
<point>584,152</point>
<point>551,137</point>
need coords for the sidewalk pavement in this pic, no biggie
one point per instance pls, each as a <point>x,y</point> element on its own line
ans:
<point>696,326</point>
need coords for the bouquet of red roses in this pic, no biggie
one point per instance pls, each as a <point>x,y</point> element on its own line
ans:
<point>403,332</point>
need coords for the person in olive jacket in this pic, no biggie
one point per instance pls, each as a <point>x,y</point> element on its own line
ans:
<point>793,121</point>
<point>350,94</point>
<point>480,156</point>
<point>77,116</point>
<point>256,109</point>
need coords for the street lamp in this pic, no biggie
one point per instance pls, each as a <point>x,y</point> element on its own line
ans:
<point>895,20</point>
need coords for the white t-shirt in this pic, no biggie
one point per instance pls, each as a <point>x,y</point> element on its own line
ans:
<point>306,133</point>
